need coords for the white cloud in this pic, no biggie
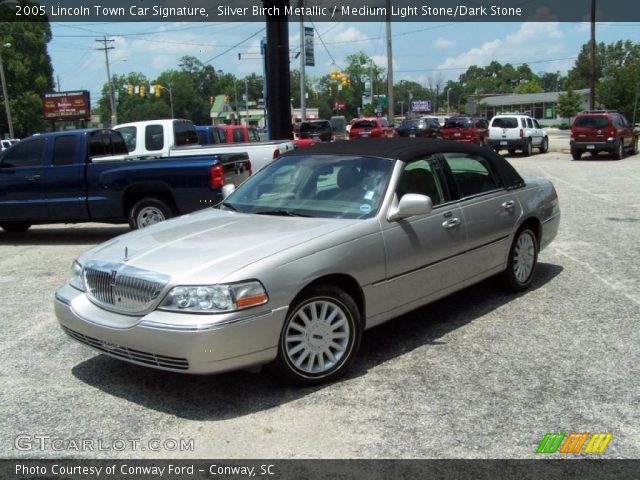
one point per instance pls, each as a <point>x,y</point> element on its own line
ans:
<point>442,42</point>
<point>530,42</point>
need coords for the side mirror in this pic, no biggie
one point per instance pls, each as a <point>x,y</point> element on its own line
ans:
<point>409,205</point>
<point>227,190</point>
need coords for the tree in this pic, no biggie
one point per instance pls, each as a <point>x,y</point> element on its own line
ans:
<point>532,86</point>
<point>27,68</point>
<point>569,104</point>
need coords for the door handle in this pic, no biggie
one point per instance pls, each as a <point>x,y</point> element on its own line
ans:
<point>509,205</point>
<point>32,178</point>
<point>453,222</point>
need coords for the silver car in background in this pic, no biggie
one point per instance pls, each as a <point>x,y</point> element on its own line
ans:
<point>308,253</point>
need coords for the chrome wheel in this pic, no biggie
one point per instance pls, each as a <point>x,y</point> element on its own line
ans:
<point>524,257</point>
<point>317,336</point>
<point>149,216</point>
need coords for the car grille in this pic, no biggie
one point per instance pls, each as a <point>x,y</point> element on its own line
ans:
<point>123,288</point>
<point>173,363</point>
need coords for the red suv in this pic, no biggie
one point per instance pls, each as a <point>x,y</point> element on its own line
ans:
<point>602,131</point>
<point>371,128</point>
<point>466,129</point>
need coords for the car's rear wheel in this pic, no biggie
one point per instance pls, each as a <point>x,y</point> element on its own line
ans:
<point>544,146</point>
<point>528,149</point>
<point>634,146</point>
<point>17,227</point>
<point>320,337</point>
<point>618,153</point>
<point>523,259</point>
<point>149,211</point>
<point>511,151</point>
<point>576,154</point>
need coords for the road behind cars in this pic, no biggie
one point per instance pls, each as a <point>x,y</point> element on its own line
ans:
<point>481,374</point>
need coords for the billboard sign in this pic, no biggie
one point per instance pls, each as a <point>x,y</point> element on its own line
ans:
<point>66,106</point>
<point>421,105</point>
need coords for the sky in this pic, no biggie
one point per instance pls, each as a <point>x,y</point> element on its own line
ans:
<point>420,50</point>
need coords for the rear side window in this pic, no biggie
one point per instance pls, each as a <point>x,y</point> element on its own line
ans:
<point>238,135</point>
<point>118,144</point>
<point>64,150</point>
<point>184,133</point>
<point>591,121</point>
<point>253,135</point>
<point>505,122</point>
<point>106,143</point>
<point>529,123</point>
<point>472,174</point>
<point>27,153</point>
<point>154,137</point>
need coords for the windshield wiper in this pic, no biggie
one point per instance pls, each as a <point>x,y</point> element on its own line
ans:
<point>282,213</point>
<point>229,206</point>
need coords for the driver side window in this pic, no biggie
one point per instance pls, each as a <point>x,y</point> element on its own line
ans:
<point>421,177</point>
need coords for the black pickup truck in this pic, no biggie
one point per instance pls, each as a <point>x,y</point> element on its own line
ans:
<point>87,176</point>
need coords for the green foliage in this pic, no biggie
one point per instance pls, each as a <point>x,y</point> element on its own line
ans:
<point>531,86</point>
<point>28,71</point>
<point>569,104</point>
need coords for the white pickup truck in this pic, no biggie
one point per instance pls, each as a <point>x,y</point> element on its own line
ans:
<point>178,137</point>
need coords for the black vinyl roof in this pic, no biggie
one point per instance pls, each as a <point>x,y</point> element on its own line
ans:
<point>409,149</point>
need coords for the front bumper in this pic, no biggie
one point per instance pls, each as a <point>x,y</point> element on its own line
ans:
<point>189,343</point>
<point>600,146</point>
<point>504,143</point>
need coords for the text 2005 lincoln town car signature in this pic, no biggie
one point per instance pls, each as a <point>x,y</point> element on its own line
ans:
<point>306,254</point>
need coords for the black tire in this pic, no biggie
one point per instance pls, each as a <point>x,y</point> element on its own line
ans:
<point>308,344</point>
<point>15,227</point>
<point>576,154</point>
<point>618,153</point>
<point>528,148</point>
<point>544,146</point>
<point>149,211</point>
<point>511,151</point>
<point>496,149</point>
<point>634,146</point>
<point>523,260</point>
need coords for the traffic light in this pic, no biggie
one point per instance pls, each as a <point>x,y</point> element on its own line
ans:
<point>130,89</point>
<point>143,90</point>
<point>157,89</point>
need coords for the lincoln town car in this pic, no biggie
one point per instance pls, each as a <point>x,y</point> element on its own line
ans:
<point>324,243</point>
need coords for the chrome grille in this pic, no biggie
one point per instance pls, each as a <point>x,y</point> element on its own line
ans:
<point>123,288</point>
<point>163,361</point>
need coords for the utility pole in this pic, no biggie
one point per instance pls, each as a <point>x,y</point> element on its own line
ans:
<point>114,115</point>
<point>390,104</point>
<point>303,103</point>
<point>592,51</point>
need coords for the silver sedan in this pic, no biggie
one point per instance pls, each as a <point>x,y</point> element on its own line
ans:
<point>308,253</point>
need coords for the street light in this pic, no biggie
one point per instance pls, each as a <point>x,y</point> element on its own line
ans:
<point>5,94</point>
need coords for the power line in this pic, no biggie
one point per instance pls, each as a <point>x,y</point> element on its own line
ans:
<point>465,68</point>
<point>234,46</point>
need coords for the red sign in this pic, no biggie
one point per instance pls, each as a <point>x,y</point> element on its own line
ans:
<point>66,106</point>
<point>340,105</point>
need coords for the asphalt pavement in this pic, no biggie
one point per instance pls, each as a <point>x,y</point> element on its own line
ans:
<point>480,374</point>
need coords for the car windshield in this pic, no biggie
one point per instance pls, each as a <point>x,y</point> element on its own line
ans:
<point>459,122</point>
<point>331,186</point>
<point>412,123</point>
<point>592,121</point>
<point>505,122</point>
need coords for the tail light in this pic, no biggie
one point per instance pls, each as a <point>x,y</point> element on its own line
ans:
<point>276,153</point>
<point>216,176</point>
<point>521,133</point>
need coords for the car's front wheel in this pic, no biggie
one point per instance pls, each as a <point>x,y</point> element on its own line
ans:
<point>320,337</point>
<point>523,259</point>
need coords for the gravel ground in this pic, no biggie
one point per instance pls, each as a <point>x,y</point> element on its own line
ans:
<point>480,374</point>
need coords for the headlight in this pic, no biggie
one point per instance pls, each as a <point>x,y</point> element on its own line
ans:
<point>215,298</point>
<point>77,281</point>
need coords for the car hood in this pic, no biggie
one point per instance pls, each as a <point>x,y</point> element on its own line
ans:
<point>212,241</point>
